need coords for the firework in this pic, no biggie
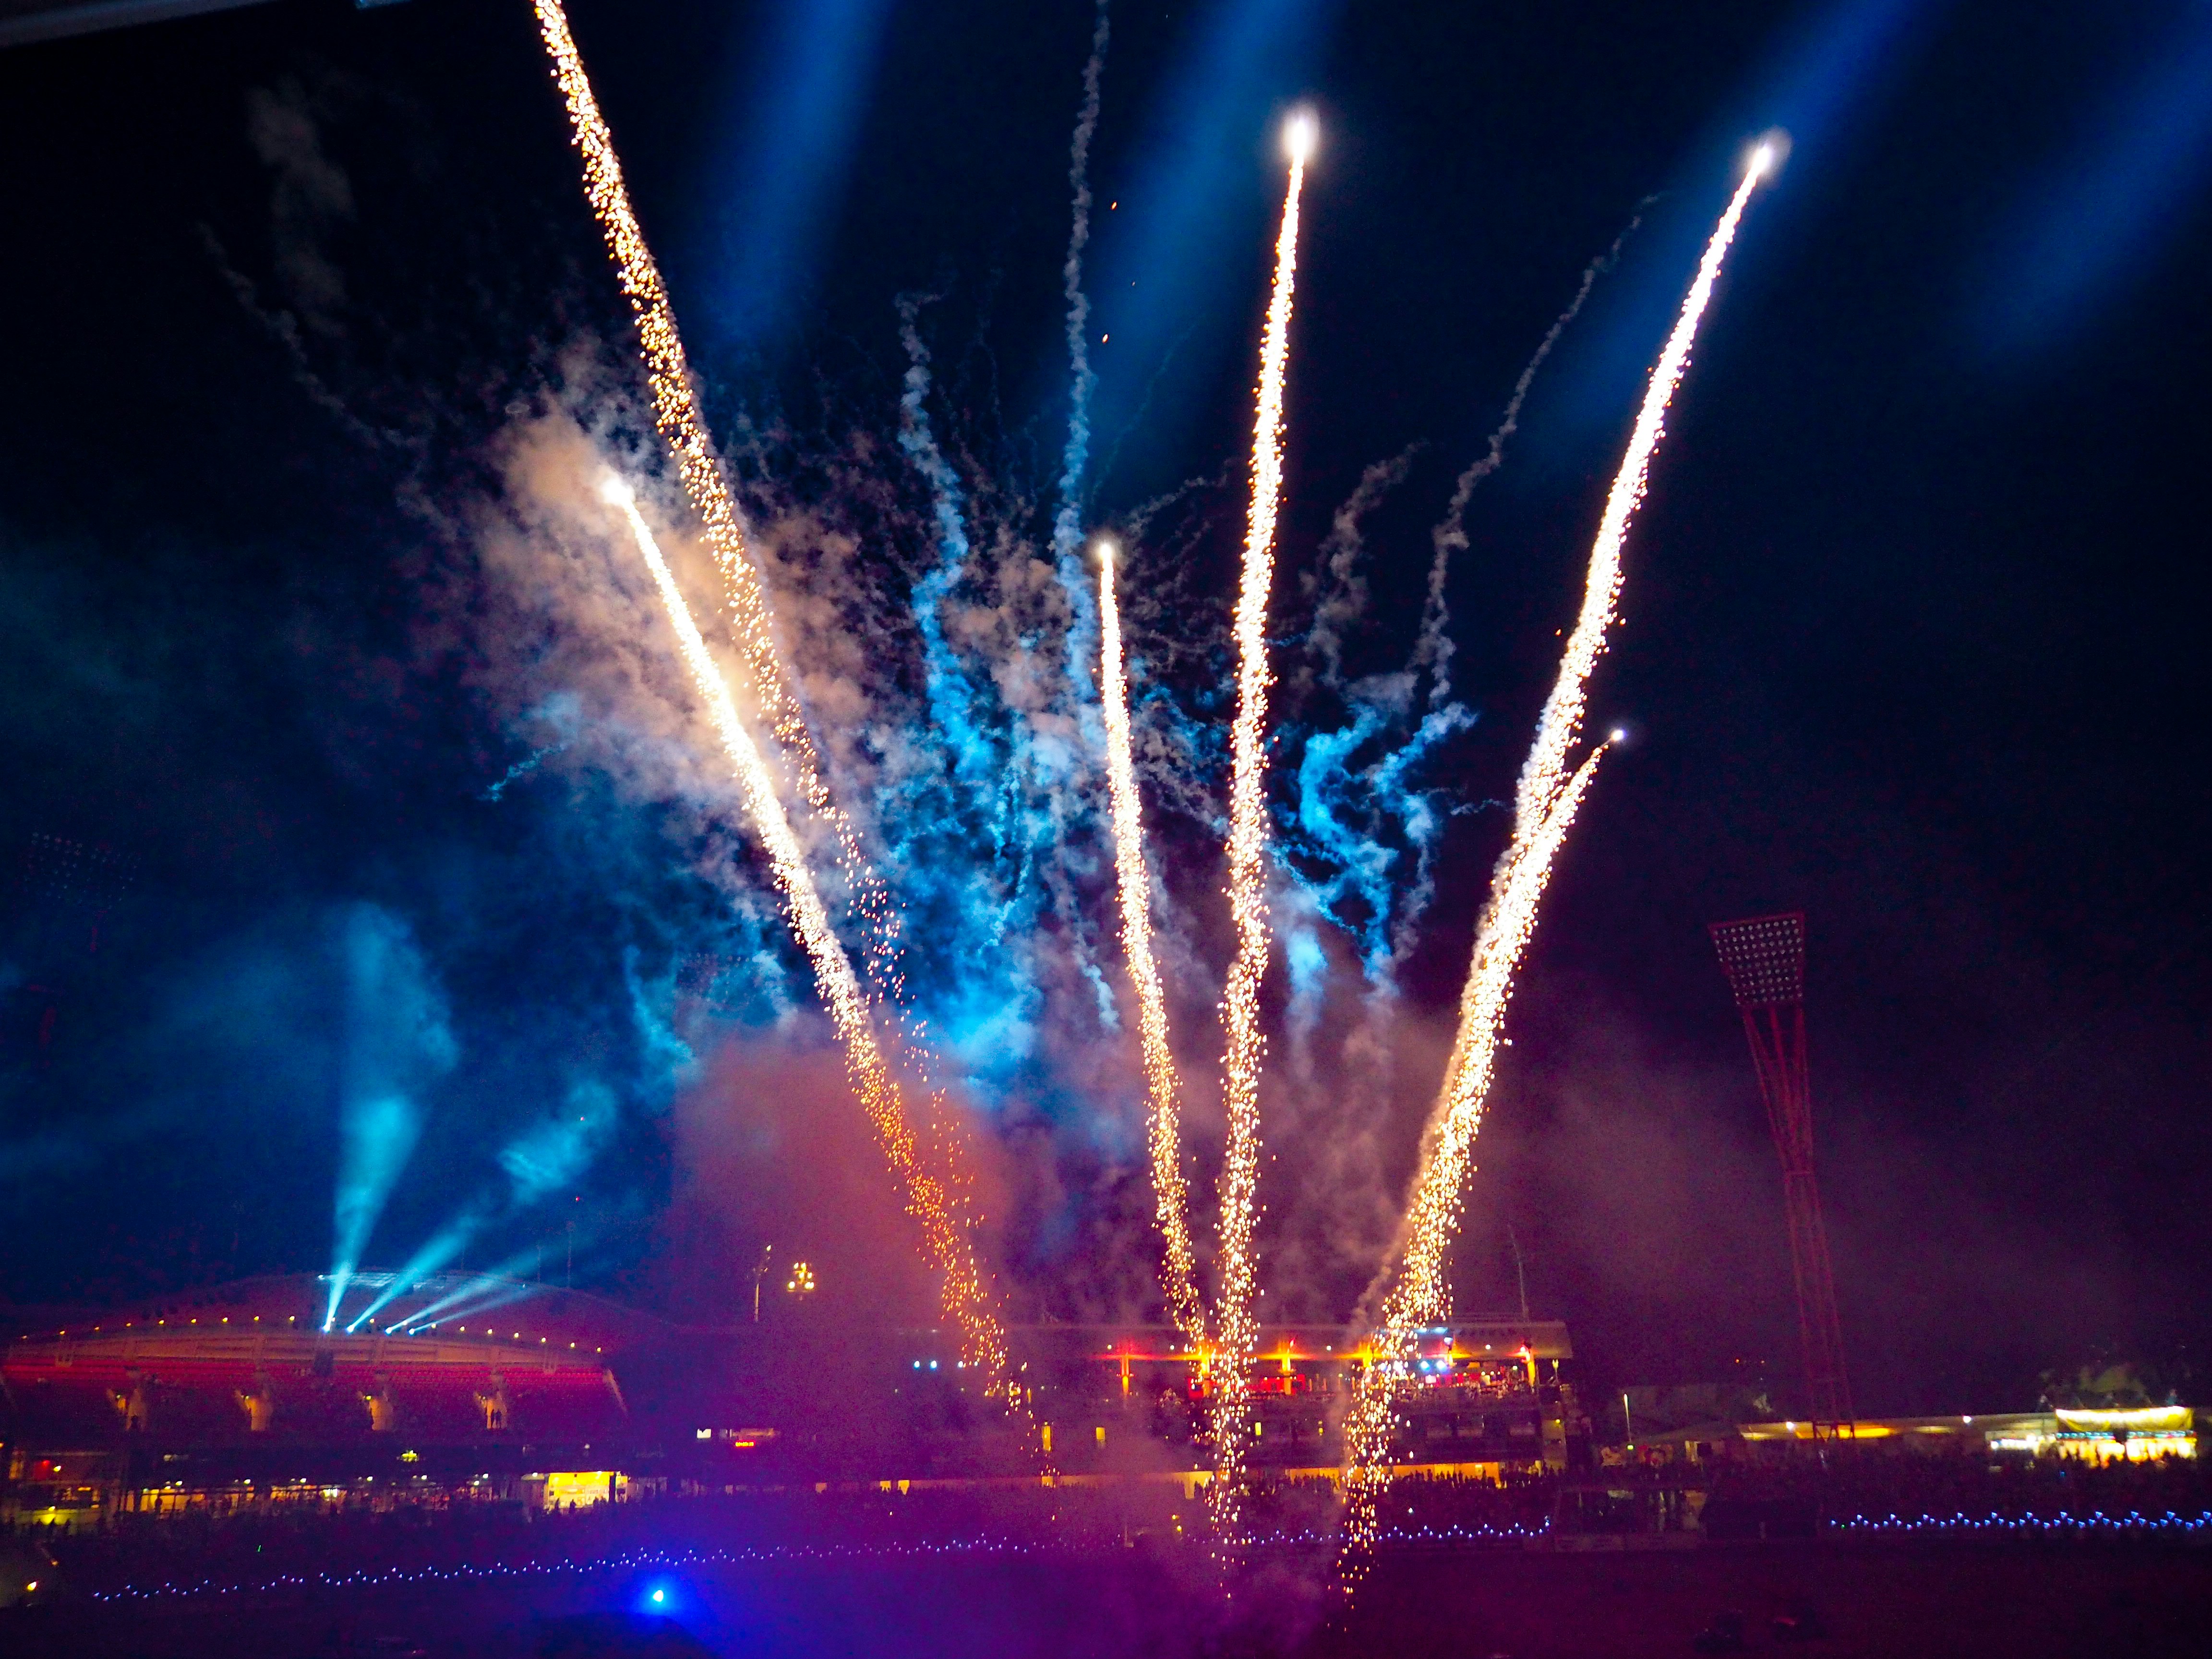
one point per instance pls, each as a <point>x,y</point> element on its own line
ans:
<point>1544,804</point>
<point>1178,1276</point>
<point>1234,1324</point>
<point>1433,1216</point>
<point>1556,728</point>
<point>676,414</point>
<point>946,1238</point>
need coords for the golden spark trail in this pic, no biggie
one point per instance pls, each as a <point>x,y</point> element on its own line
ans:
<point>1433,1216</point>
<point>945,1240</point>
<point>676,414</point>
<point>1544,804</point>
<point>1178,1273</point>
<point>1556,728</point>
<point>1236,1328</point>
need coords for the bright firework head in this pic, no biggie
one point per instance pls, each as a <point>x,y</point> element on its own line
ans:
<point>616,492</point>
<point>1300,134</point>
<point>1768,152</point>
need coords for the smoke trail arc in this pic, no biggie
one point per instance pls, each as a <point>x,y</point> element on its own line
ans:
<point>1432,647</point>
<point>1171,1195</point>
<point>1236,1330</point>
<point>1075,457</point>
<point>1545,801</point>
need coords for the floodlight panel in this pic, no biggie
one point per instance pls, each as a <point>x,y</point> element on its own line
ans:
<point>71,873</point>
<point>1764,957</point>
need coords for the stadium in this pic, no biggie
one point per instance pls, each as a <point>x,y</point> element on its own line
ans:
<point>238,1398</point>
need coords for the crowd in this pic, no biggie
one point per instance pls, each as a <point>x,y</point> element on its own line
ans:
<point>1847,1494</point>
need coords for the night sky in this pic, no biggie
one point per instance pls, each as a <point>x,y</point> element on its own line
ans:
<point>306,304</point>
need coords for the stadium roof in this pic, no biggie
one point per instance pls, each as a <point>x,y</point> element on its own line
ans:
<point>480,1305</point>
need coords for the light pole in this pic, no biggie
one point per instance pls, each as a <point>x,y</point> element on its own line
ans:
<point>760,1272</point>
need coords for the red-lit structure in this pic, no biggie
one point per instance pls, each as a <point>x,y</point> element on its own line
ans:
<point>234,1395</point>
<point>1764,957</point>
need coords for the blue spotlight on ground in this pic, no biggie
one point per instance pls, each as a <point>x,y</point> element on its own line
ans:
<point>660,1598</point>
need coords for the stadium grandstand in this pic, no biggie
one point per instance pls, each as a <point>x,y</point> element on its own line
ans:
<point>237,1394</point>
<point>466,1389</point>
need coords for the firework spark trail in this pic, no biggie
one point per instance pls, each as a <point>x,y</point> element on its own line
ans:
<point>676,414</point>
<point>1178,1276</point>
<point>941,1211</point>
<point>1543,809</point>
<point>1556,728</point>
<point>1432,647</point>
<point>1067,520</point>
<point>1234,1324</point>
<point>1433,1216</point>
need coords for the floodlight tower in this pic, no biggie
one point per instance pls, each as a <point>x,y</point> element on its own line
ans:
<point>1764,957</point>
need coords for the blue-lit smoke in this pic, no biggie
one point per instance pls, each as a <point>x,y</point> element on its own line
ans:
<point>550,1156</point>
<point>953,699</point>
<point>521,768</point>
<point>2147,152</point>
<point>1333,837</point>
<point>1360,805</point>
<point>398,1044</point>
<point>666,1059</point>
<point>813,62</point>
<point>1020,752</point>
<point>1067,520</point>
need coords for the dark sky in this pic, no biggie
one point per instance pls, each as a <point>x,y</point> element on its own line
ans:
<point>1913,639</point>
